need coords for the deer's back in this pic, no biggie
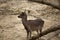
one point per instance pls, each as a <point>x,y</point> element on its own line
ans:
<point>35,24</point>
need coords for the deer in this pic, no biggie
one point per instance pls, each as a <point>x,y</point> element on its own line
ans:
<point>31,25</point>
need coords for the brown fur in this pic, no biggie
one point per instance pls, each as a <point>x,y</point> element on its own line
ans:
<point>31,25</point>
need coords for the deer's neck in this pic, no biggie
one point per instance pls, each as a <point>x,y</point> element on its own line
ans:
<point>24,20</point>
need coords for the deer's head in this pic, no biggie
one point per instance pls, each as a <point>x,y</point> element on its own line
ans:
<point>22,15</point>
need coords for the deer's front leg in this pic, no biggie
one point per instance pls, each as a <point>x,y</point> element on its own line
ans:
<point>30,35</point>
<point>27,35</point>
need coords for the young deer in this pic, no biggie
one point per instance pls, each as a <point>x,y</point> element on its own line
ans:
<point>31,25</point>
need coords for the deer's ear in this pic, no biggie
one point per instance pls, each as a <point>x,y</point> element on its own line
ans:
<point>28,11</point>
<point>23,13</point>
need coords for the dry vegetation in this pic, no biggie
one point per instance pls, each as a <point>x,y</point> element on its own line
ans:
<point>11,27</point>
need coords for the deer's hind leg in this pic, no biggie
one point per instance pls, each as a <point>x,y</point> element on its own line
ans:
<point>41,29</point>
<point>38,33</point>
